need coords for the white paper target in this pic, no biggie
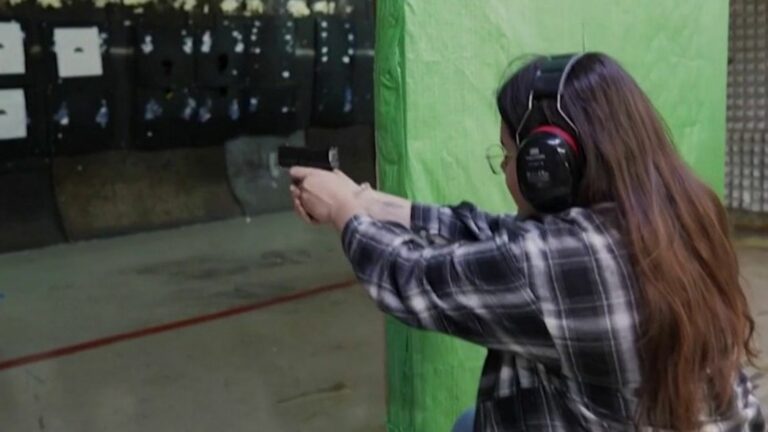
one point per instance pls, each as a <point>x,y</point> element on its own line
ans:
<point>13,115</point>
<point>11,49</point>
<point>78,52</point>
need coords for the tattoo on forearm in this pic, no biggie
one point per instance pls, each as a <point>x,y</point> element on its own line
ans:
<point>392,209</point>
<point>379,205</point>
<point>391,204</point>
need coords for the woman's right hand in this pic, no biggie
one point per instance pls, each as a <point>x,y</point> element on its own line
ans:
<point>325,197</point>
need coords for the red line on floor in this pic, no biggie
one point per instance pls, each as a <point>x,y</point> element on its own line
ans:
<point>174,325</point>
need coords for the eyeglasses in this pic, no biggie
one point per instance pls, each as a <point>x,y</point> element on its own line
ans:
<point>496,155</point>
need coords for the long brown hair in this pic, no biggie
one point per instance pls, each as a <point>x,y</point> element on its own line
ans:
<point>696,327</point>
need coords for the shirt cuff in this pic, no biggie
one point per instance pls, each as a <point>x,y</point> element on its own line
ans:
<point>349,232</point>
<point>425,218</point>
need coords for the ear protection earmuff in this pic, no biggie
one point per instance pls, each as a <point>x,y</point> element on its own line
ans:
<point>549,158</point>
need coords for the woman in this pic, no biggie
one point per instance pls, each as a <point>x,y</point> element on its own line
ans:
<point>616,306</point>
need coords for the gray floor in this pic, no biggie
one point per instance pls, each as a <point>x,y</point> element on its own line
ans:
<point>311,364</point>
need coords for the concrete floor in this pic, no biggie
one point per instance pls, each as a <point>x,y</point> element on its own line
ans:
<point>314,363</point>
<point>285,367</point>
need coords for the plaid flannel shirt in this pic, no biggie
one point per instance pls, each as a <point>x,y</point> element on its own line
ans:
<point>553,299</point>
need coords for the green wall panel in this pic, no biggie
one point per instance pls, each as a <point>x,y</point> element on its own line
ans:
<point>439,63</point>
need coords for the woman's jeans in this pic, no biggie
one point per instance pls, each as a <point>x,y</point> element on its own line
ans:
<point>466,422</point>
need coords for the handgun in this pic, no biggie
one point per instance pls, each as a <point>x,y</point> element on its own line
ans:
<point>326,159</point>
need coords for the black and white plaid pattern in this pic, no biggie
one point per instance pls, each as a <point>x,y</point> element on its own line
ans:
<point>553,299</point>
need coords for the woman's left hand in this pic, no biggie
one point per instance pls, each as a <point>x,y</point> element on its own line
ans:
<point>323,196</point>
